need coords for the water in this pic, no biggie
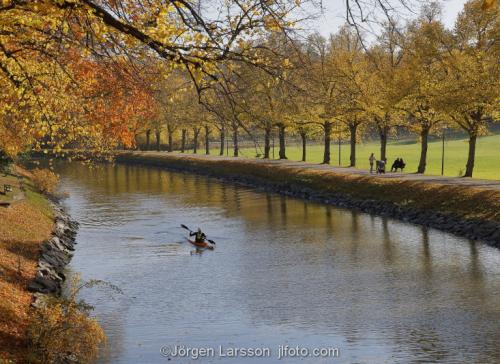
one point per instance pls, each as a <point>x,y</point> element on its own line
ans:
<point>284,272</point>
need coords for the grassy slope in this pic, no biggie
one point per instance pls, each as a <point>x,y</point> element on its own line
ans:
<point>25,225</point>
<point>487,155</point>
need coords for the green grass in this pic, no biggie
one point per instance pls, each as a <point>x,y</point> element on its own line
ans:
<point>30,193</point>
<point>39,201</point>
<point>8,179</point>
<point>487,165</point>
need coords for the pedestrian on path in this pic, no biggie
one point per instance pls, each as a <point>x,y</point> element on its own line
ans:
<point>372,161</point>
<point>381,166</point>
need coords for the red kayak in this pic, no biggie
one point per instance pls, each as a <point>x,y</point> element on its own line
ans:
<point>203,245</point>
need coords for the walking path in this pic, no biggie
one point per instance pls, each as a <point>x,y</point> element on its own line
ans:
<point>492,185</point>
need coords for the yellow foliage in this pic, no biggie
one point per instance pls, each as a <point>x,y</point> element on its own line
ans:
<point>45,180</point>
<point>63,327</point>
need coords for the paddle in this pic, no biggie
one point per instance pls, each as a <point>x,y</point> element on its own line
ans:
<point>185,227</point>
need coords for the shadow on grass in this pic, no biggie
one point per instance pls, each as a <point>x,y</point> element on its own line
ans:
<point>29,250</point>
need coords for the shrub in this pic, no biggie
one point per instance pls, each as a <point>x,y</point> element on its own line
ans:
<point>63,331</point>
<point>45,180</point>
<point>5,169</point>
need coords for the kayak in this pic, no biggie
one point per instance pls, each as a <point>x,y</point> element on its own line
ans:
<point>201,245</point>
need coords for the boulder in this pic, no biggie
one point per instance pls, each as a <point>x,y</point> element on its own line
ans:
<point>44,285</point>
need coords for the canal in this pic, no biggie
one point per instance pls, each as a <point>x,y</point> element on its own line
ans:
<point>284,273</point>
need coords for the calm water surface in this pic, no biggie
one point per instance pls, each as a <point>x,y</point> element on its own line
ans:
<point>285,272</point>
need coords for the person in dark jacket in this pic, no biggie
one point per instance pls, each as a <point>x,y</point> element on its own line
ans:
<point>199,236</point>
<point>398,164</point>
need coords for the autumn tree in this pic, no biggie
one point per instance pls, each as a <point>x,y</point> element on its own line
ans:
<point>350,67</point>
<point>215,102</point>
<point>221,100</point>
<point>381,89</point>
<point>469,90</point>
<point>167,91</point>
<point>420,76</point>
<point>305,130</point>
<point>319,79</point>
<point>36,66</point>
<point>267,102</point>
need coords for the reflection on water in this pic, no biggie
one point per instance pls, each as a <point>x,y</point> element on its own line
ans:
<point>285,271</point>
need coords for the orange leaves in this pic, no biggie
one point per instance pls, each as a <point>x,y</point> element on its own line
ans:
<point>54,93</point>
<point>118,101</point>
<point>488,4</point>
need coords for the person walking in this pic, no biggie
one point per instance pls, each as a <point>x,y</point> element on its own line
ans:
<point>372,161</point>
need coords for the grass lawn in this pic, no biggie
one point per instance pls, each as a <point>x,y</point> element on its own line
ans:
<point>487,165</point>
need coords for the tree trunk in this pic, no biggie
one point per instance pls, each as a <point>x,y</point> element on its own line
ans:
<point>328,131</point>
<point>207,140</point>
<point>469,168</point>
<point>303,136</point>
<point>282,151</point>
<point>383,141</point>
<point>158,136</point>
<point>170,132</point>
<point>235,139</point>
<point>183,140</point>
<point>222,140</point>
<point>148,138</point>
<point>352,130</point>
<point>195,142</point>
<point>424,137</point>
<point>196,132</point>
<point>136,146</point>
<point>267,142</point>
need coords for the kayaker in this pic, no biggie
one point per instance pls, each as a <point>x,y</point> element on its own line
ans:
<point>199,236</point>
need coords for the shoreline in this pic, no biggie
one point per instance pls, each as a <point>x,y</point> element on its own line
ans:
<point>28,221</point>
<point>55,254</point>
<point>38,321</point>
<point>469,211</point>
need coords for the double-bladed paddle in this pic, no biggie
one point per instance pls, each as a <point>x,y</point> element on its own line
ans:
<point>191,231</point>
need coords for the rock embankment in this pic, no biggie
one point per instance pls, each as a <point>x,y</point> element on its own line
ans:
<point>55,255</point>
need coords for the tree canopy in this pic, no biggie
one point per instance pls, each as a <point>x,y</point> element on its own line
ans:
<point>99,73</point>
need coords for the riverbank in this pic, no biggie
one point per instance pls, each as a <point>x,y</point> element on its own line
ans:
<point>462,206</point>
<point>55,254</point>
<point>37,238</point>
<point>27,221</point>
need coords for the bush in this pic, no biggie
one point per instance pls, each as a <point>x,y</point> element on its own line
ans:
<point>5,165</point>
<point>44,179</point>
<point>5,169</point>
<point>63,331</point>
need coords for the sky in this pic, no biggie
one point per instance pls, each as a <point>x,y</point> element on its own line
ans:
<point>334,15</point>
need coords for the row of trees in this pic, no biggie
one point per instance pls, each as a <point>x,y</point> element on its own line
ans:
<point>97,74</point>
<point>421,77</point>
